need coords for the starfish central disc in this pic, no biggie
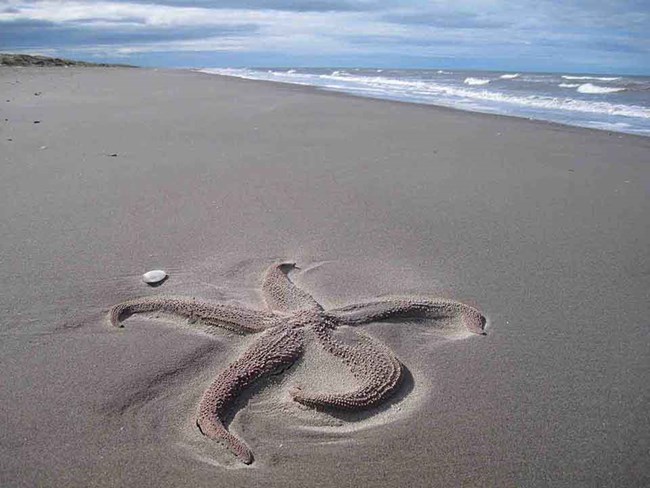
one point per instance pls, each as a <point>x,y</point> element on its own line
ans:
<point>310,319</point>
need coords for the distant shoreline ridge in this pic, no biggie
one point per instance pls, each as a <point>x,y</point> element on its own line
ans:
<point>7,59</point>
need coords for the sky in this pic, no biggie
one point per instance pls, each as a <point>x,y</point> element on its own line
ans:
<point>581,36</point>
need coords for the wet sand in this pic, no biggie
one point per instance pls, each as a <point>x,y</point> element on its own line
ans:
<point>542,227</point>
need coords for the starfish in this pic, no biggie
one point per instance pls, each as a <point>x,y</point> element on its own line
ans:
<point>283,331</point>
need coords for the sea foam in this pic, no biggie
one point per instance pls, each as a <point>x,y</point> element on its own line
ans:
<point>476,81</point>
<point>595,89</point>
<point>598,78</point>
<point>509,76</point>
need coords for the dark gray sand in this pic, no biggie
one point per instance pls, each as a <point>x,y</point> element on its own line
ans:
<point>544,228</point>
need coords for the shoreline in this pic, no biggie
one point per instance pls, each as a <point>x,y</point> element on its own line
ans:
<point>316,89</point>
<point>433,105</point>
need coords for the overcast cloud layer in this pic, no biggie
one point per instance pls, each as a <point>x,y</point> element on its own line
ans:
<point>544,35</point>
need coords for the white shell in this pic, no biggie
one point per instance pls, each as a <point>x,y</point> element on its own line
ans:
<point>154,276</point>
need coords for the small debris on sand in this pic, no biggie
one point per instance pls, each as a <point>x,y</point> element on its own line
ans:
<point>154,277</point>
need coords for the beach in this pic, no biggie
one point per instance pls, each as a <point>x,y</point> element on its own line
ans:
<point>106,173</point>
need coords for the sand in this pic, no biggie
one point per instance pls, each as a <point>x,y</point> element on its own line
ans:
<point>542,227</point>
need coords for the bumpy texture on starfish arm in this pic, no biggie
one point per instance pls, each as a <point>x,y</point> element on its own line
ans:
<point>376,368</point>
<point>405,308</point>
<point>230,317</point>
<point>281,294</point>
<point>277,347</point>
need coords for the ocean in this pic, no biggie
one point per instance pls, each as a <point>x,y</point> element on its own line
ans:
<point>613,103</point>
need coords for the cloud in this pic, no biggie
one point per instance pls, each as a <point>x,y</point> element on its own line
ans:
<point>281,5</point>
<point>122,12</point>
<point>39,33</point>
<point>309,28</point>
<point>367,30</point>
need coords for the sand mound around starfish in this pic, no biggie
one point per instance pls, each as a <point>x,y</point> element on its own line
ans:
<point>274,425</point>
<point>293,319</point>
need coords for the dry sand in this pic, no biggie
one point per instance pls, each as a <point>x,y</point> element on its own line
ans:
<point>542,227</point>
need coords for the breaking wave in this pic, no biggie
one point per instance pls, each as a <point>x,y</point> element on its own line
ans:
<point>598,78</point>
<point>476,81</point>
<point>595,89</point>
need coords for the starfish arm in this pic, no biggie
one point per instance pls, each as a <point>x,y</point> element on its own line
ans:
<point>405,308</point>
<point>281,294</point>
<point>278,347</point>
<point>377,369</point>
<point>235,318</point>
